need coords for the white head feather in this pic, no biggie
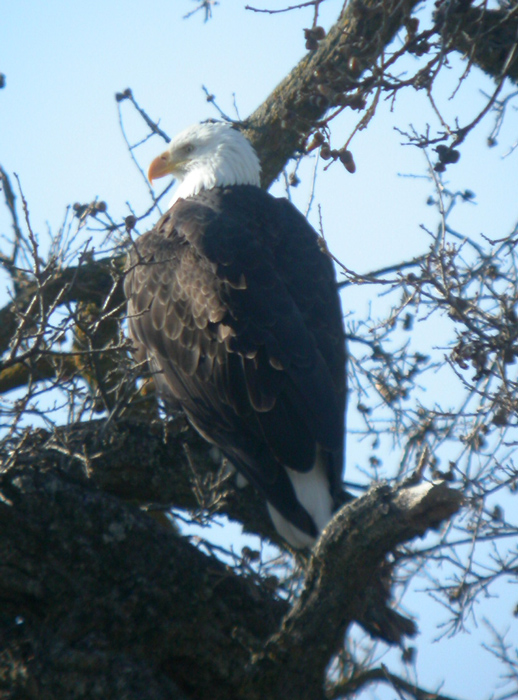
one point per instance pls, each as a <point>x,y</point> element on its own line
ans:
<point>208,155</point>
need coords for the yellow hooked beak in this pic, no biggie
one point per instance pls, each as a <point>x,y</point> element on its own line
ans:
<point>161,166</point>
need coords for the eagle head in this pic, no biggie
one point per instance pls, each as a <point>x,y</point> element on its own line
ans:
<point>207,155</point>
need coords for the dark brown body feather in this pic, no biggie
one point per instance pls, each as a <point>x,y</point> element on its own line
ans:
<point>237,310</point>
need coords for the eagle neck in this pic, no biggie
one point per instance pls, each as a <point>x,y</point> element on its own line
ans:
<point>226,170</point>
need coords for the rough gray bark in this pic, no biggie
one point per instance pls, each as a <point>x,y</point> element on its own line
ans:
<point>90,585</point>
<point>155,464</point>
<point>280,126</point>
<point>487,38</point>
<point>99,600</point>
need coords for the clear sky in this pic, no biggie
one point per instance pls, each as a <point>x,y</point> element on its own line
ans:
<point>64,61</point>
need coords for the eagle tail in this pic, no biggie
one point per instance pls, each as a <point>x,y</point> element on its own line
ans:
<point>313,492</point>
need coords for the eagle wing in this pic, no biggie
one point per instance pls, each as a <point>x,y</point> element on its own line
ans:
<point>237,309</point>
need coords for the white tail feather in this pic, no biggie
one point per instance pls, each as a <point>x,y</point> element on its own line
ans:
<point>312,490</point>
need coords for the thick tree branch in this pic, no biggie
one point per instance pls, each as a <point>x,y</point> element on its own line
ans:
<point>280,126</point>
<point>163,465</point>
<point>110,586</point>
<point>344,565</point>
<point>487,38</point>
<point>89,585</point>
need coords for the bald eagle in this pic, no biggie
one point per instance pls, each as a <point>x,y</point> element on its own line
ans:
<point>235,307</point>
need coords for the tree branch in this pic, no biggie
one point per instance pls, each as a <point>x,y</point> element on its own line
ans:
<point>110,584</point>
<point>90,281</point>
<point>487,38</point>
<point>89,585</point>
<point>280,126</point>
<point>375,675</point>
<point>342,569</point>
<point>145,463</point>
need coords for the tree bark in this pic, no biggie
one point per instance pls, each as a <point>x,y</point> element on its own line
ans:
<point>487,38</point>
<point>281,125</point>
<point>91,587</point>
<point>99,600</point>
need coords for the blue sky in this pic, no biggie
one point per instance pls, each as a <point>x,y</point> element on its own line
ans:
<point>59,128</point>
<point>59,132</point>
